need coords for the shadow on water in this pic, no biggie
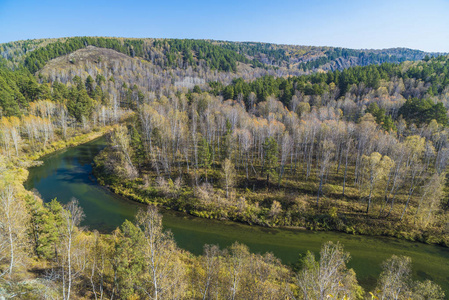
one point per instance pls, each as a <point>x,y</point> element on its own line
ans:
<point>68,174</point>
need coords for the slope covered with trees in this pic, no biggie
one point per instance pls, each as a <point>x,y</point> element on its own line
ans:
<point>417,80</point>
<point>214,56</point>
<point>183,63</point>
<point>297,152</point>
<point>309,58</point>
<point>220,55</point>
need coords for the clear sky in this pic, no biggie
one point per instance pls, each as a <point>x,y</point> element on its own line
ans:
<point>357,24</point>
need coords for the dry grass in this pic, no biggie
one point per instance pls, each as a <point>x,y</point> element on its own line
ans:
<point>76,60</point>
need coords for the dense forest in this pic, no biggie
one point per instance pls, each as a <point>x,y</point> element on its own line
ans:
<point>221,55</point>
<point>250,132</point>
<point>270,159</point>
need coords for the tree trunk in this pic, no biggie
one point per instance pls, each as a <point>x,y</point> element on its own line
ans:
<point>406,204</point>
<point>69,263</point>
<point>11,244</point>
<point>344,176</point>
<point>319,190</point>
<point>369,201</point>
<point>268,180</point>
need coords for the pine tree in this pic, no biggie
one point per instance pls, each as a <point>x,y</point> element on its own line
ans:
<point>205,155</point>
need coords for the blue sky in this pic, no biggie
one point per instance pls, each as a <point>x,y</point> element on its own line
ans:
<point>353,24</point>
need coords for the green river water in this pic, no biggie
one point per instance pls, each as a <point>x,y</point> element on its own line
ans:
<point>66,174</point>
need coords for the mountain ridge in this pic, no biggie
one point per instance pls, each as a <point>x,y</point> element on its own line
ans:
<point>304,59</point>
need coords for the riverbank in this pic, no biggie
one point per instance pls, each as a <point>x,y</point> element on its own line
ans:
<point>325,218</point>
<point>16,168</point>
<point>71,142</point>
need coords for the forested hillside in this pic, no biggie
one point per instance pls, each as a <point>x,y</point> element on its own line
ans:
<point>308,58</point>
<point>156,65</point>
<point>362,150</point>
<point>315,138</point>
<point>221,55</point>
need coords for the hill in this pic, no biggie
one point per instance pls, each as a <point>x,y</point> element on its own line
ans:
<point>221,55</point>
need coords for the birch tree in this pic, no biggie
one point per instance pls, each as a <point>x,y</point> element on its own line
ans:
<point>432,193</point>
<point>394,281</point>
<point>15,133</point>
<point>326,154</point>
<point>328,277</point>
<point>414,165</point>
<point>13,226</point>
<point>165,271</point>
<point>286,148</point>
<point>236,259</point>
<point>229,175</point>
<point>72,216</point>
<point>211,264</point>
<point>121,140</point>
<point>377,168</point>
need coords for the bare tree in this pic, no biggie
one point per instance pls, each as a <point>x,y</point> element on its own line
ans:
<point>63,120</point>
<point>72,216</point>
<point>377,168</point>
<point>13,222</point>
<point>326,155</point>
<point>394,281</point>
<point>329,277</point>
<point>121,140</point>
<point>165,270</point>
<point>237,257</point>
<point>15,133</point>
<point>430,199</point>
<point>211,264</point>
<point>286,148</point>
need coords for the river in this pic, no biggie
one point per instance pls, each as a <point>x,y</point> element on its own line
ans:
<point>68,173</point>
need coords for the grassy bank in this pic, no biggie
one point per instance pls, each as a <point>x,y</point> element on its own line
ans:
<point>70,142</point>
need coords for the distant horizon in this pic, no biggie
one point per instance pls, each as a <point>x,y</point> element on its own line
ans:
<point>351,24</point>
<point>221,40</point>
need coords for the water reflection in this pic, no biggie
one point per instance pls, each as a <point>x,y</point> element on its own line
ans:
<point>68,174</point>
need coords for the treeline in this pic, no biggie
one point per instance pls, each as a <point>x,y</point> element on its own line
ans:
<point>313,58</point>
<point>424,79</point>
<point>38,58</point>
<point>17,89</point>
<point>433,74</point>
<point>48,113</point>
<point>361,57</point>
<point>215,57</point>
<point>14,52</point>
<point>218,55</point>
<point>311,85</point>
<point>266,53</point>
